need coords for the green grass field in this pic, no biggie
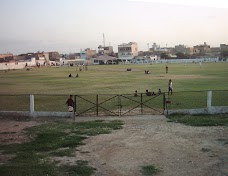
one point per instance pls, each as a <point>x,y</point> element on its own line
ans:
<point>190,83</point>
<point>114,79</point>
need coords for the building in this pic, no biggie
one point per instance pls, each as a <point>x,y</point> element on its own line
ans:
<point>154,47</point>
<point>126,52</point>
<point>46,55</point>
<point>223,47</point>
<point>214,52</point>
<point>54,56</point>
<point>145,59</point>
<point>90,53</point>
<point>23,57</point>
<point>202,48</point>
<point>6,57</point>
<point>157,48</point>
<point>104,59</point>
<point>105,50</point>
<point>183,49</point>
<point>158,51</point>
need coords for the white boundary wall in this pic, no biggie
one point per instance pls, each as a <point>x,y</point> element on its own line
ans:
<point>11,66</point>
<point>187,60</point>
<point>17,65</point>
<point>209,110</point>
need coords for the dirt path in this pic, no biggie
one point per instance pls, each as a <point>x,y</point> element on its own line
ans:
<point>177,149</point>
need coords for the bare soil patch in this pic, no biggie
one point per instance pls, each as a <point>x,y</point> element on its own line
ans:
<point>175,148</point>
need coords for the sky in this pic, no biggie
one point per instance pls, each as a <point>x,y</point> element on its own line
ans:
<point>67,26</point>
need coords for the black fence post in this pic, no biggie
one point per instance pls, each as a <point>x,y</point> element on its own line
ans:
<point>141,104</point>
<point>97,105</point>
<point>120,106</point>
<point>75,107</point>
<point>164,100</point>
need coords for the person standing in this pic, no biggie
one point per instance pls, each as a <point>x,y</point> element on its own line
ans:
<point>136,94</point>
<point>170,87</point>
<point>166,69</point>
<point>159,91</point>
<point>70,104</point>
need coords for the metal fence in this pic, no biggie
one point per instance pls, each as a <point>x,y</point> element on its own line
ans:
<point>113,104</point>
<point>86,105</point>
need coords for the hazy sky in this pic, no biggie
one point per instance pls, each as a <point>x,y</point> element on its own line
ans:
<point>70,25</point>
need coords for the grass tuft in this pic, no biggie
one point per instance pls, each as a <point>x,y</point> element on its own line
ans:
<point>81,168</point>
<point>149,170</point>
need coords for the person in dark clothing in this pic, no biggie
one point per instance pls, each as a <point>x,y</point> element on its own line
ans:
<point>70,104</point>
<point>136,93</point>
<point>159,91</point>
<point>148,93</point>
<point>153,93</point>
<point>170,87</point>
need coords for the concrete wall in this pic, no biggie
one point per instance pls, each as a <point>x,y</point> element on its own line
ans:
<point>188,60</point>
<point>17,65</point>
<point>212,110</point>
<point>36,114</point>
<point>11,66</point>
<point>209,110</point>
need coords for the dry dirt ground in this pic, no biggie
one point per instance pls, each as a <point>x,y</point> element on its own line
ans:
<point>177,149</point>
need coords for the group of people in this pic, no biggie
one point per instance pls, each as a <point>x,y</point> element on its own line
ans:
<point>170,90</point>
<point>76,76</point>
<point>152,93</point>
<point>84,67</point>
<point>70,101</point>
<point>166,70</point>
<point>147,72</point>
<point>149,93</point>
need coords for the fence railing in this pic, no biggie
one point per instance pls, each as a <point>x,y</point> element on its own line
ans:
<point>116,104</point>
<point>85,105</point>
<point>198,102</point>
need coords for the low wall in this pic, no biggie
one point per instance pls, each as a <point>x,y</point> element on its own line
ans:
<point>211,110</point>
<point>11,66</point>
<point>36,114</point>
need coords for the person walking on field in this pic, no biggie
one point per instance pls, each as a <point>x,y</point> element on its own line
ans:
<point>170,87</point>
<point>70,104</point>
<point>166,69</point>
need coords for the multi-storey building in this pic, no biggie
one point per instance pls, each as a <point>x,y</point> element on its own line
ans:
<point>6,57</point>
<point>105,50</point>
<point>224,47</point>
<point>202,48</point>
<point>126,52</point>
<point>183,49</point>
<point>90,53</point>
<point>54,56</point>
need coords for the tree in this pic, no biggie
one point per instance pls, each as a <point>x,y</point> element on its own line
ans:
<point>164,56</point>
<point>180,55</point>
